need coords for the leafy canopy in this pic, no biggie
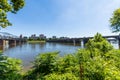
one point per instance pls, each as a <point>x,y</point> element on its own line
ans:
<point>98,44</point>
<point>9,6</point>
<point>9,68</point>
<point>99,60</point>
<point>115,21</point>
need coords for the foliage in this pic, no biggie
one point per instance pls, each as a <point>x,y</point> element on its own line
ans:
<point>9,6</point>
<point>66,64</point>
<point>98,45</point>
<point>38,39</point>
<point>65,76</point>
<point>9,68</point>
<point>115,21</point>
<point>90,67</point>
<point>45,63</point>
<point>30,39</point>
<point>97,61</point>
<point>49,64</point>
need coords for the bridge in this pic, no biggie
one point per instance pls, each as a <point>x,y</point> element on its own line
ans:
<point>84,40</point>
<point>7,38</point>
<point>12,41</point>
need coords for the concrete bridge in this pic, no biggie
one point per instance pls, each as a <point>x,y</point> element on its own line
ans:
<point>84,40</point>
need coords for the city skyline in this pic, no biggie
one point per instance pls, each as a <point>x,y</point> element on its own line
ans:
<point>69,18</point>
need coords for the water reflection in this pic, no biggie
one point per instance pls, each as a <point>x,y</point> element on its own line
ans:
<point>27,52</point>
<point>33,46</point>
<point>1,47</point>
<point>42,45</point>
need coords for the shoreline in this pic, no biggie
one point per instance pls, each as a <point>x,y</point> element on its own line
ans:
<point>36,41</point>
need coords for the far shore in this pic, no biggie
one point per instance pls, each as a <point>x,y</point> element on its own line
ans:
<point>36,41</point>
<point>1,51</point>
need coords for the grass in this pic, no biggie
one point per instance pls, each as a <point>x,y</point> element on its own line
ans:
<point>36,41</point>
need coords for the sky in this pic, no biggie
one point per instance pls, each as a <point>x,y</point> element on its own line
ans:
<point>68,18</point>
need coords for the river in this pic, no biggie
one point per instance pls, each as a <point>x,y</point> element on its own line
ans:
<point>27,52</point>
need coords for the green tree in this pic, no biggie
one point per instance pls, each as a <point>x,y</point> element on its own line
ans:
<point>50,64</point>
<point>98,44</point>
<point>66,64</point>
<point>115,21</point>
<point>64,76</point>
<point>44,64</point>
<point>98,61</point>
<point>9,6</point>
<point>90,68</point>
<point>9,68</point>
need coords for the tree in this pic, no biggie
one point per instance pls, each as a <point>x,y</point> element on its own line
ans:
<point>115,21</point>
<point>64,76</point>
<point>99,60</point>
<point>44,64</point>
<point>9,68</point>
<point>9,6</point>
<point>98,44</point>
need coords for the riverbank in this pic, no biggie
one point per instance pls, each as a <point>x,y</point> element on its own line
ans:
<point>36,41</point>
<point>1,51</point>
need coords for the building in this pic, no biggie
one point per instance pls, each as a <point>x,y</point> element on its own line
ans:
<point>54,37</point>
<point>21,36</point>
<point>42,36</point>
<point>33,37</point>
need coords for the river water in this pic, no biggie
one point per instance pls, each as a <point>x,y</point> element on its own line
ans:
<point>27,52</point>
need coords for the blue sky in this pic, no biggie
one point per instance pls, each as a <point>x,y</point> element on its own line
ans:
<point>70,18</point>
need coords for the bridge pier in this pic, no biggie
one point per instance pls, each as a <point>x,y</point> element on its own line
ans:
<point>2,42</point>
<point>18,42</point>
<point>118,43</point>
<point>74,42</point>
<point>12,42</point>
<point>85,40</point>
<point>82,43</point>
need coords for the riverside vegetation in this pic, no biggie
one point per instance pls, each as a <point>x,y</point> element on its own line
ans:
<point>36,41</point>
<point>97,61</point>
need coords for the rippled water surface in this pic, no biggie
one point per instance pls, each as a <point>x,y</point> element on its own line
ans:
<point>27,52</point>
